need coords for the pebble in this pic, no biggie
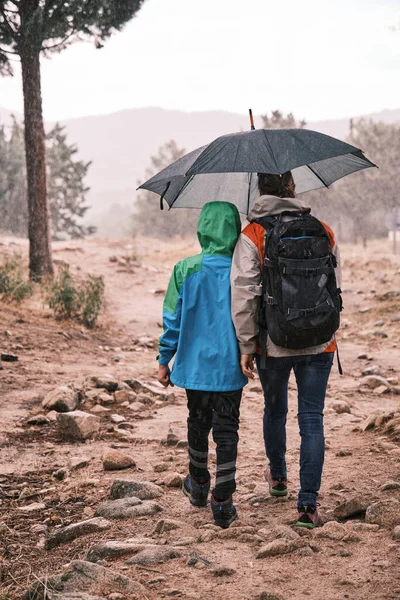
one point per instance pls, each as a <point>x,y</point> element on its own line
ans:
<point>152,555</point>
<point>374,381</point>
<point>115,460</point>
<point>385,513</point>
<point>222,571</point>
<point>167,525</point>
<point>116,549</point>
<point>126,488</point>
<point>79,463</point>
<point>39,420</point>
<point>32,507</point>
<point>107,382</point>
<point>77,425</point>
<point>126,395</point>
<point>174,480</point>
<point>340,407</point>
<point>279,547</point>
<point>396,533</point>
<point>117,418</point>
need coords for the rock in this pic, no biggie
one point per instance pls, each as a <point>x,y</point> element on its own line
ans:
<point>115,549</point>
<point>77,425</point>
<point>60,474</point>
<point>174,480</point>
<point>152,555</point>
<point>121,396</point>
<point>140,387</point>
<point>374,381</point>
<point>186,541</point>
<point>391,425</point>
<point>390,485</point>
<point>127,508</point>
<point>144,490</point>
<point>117,418</point>
<point>383,418</point>
<point>107,382</point>
<point>79,463</point>
<point>369,423</point>
<point>172,438</point>
<point>5,357</point>
<point>167,525</point>
<point>340,407</point>
<point>269,596</point>
<point>114,460</point>
<point>32,507</point>
<point>39,528</point>
<point>98,409</point>
<point>350,507</point>
<point>62,399</point>
<point>396,533</point>
<point>282,532</point>
<point>380,334</point>
<point>385,513</point>
<point>160,467</point>
<point>372,370</point>
<point>71,532</point>
<point>146,399</point>
<point>86,576</point>
<point>194,558</point>
<point>207,536</point>
<point>351,537</point>
<point>38,420</point>
<point>279,547</point>
<point>382,389</point>
<point>360,526</point>
<point>222,571</point>
<point>332,531</point>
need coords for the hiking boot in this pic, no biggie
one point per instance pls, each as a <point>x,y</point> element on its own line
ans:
<point>277,487</point>
<point>197,493</point>
<point>224,513</point>
<point>308,517</point>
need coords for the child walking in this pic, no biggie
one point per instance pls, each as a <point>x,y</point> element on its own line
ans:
<point>199,332</point>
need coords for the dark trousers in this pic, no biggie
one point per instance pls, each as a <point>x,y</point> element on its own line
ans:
<point>312,374</point>
<point>218,411</point>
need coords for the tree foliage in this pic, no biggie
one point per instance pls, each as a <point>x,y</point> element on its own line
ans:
<point>358,205</point>
<point>52,25</point>
<point>278,120</point>
<point>148,219</point>
<point>66,185</point>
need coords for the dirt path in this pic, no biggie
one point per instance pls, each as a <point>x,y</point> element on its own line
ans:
<point>365,564</point>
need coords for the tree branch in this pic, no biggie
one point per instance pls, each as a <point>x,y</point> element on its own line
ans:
<point>7,23</point>
<point>8,51</point>
<point>45,48</point>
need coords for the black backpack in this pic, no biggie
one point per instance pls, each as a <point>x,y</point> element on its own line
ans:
<point>301,302</point>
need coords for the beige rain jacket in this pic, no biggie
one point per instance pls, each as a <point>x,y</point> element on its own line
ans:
<point>246,278</point>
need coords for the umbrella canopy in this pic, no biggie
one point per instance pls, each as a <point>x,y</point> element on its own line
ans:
<point>226,169</point>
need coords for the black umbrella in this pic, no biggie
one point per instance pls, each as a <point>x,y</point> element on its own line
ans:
<point>226,168</point>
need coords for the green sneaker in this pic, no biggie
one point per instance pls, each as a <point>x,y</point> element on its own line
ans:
<point>277,487</point>
<point>308,517</point>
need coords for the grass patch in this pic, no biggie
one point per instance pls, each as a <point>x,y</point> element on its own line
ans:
<point>13,284</point>
<point>79,300</point>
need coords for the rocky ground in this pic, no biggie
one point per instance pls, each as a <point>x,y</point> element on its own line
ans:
<point>93,452</point>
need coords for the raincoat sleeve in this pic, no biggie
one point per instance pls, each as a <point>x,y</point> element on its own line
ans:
<point>172,309</point>
<point>246,293</point>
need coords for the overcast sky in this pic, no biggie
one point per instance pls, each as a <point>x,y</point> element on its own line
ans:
<point>321,59</point>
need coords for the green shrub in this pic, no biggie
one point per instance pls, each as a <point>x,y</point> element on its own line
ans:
<point>76,300</point>
<point>13,285</point>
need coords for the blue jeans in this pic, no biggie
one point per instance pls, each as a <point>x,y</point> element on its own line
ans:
<point>312,374</point>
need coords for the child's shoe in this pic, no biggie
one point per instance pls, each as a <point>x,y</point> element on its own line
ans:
<point>277,487</point>
<point>197,493</point>
<point>224,513</point>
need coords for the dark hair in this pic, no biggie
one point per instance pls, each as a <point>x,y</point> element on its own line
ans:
<point>282,186</point>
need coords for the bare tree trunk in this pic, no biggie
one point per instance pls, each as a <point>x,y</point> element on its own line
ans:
<point>40,259</point>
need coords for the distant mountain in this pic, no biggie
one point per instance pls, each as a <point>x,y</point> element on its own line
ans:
<point>120,144</point>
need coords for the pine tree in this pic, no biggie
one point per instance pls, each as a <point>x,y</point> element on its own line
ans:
<point>29,28</point>
<point>148,218</point>
<point>278,120</point>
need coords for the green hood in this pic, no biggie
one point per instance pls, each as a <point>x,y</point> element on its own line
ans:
<point>218,228</point>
